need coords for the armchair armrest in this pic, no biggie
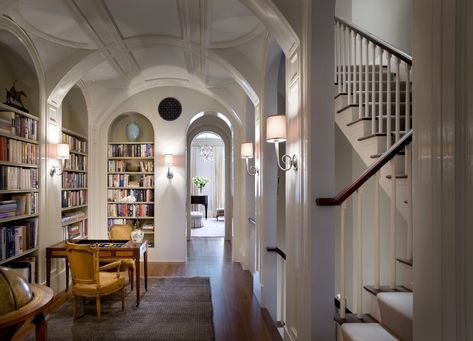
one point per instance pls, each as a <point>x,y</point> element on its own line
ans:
<point>112,265</point>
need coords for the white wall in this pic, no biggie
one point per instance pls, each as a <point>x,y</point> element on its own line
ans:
<point>387,19</point>
<point>170,195</point>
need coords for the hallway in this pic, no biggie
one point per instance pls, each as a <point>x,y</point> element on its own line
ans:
<point>237,314</point>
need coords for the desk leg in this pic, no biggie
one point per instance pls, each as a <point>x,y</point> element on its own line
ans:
<point>41,327</point>
<point>137,270</point>
<point>48,271</point>
<point>146,269</point>
<point>67,275</point>
<point>206,212</point>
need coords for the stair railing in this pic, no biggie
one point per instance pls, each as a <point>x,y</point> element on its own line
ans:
<point>341,198</point>
<point>364,67</point>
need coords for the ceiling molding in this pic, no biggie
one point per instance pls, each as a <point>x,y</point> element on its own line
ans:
<point>240,40</point>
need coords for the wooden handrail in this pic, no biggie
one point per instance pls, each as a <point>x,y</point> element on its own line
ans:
<point>277,250</point>
<point>367,174</point>
<point>378,41</point>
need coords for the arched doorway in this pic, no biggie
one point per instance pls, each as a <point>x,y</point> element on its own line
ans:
<point>217,125</point>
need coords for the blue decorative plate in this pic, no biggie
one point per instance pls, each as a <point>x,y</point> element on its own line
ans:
<point>132,131</point>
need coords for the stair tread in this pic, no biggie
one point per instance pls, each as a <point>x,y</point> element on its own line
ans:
<point>406,261</point>
<point>366,332</point>
<point>398,176</point>
<point>396,310</point>
<point>402,132</point>
<point>375,156</point>
<point>383,289</point>
<point>353,318</point>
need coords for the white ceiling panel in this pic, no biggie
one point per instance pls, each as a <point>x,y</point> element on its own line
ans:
<point>159,62</point>
<point>217,74</point>
<point>53,18</point>
<point>145,17</point>
<point>103,71</point>
<point>229,21</point>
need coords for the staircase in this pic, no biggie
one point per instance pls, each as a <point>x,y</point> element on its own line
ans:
<point>373,109</point>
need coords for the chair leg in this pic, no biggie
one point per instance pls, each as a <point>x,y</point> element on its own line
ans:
<point>97,303</point>
<point>74,308</point>
<point>131,278</point>
<point>123,298</point>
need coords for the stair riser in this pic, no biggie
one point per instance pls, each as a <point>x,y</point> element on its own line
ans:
<point>374,145</point>
<point>376,96</point>
<point>356,68</point>
<point>384,86</point>
<point>367,124</point>
<point>357,76</point>
<point>384,109</point>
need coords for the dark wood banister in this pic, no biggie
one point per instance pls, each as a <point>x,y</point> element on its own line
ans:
<point>367,174</point>
<point>277,250</point>
<point>378,41</point>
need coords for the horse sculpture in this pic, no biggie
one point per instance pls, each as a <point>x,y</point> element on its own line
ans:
<point>13,98</point>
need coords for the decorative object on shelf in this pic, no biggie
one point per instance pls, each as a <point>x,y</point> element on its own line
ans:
<point>207,153</point>
<point>13,98</point>
<point>62,153</point>
<point>168,161</point>
<point>276,133</point>
<point>137,234</point>
<point>247,153</point>
<point>132,131</point>
<point>169,109</point>
<point>200,182</point>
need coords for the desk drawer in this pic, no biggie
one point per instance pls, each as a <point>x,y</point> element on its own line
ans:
<point>104,254</point>
<point>124,254</point>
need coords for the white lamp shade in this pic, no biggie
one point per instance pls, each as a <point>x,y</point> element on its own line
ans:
<point>63,151</point>
<point>276,128</point>
<point>247,150</point>
<point>168,159</point>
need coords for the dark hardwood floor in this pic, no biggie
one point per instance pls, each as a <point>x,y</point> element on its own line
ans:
<point>237,314</point>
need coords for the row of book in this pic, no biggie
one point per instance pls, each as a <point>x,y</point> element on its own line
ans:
<point>19,204</point>
<point>15,124</point>
<point>76,162</point>
<point>73,198</point>
<point>130,150</point>
<point>127,180</point>
<point>16,239</point>
<point>74,180</point>
<point>74,143</point>
<point>18,151</point>
<point>140,195</point>
<point>76,230</point>
<point>14,178</point>
<point>130,210</point>
<point>130,166</point>
<point>71,217</point>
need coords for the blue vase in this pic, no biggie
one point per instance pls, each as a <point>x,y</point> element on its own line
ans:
<point>132,131</point>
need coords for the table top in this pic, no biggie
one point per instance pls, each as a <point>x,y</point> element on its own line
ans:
<point>103,244</point>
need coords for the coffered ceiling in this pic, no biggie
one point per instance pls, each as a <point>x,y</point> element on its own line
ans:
<point>145,41</point>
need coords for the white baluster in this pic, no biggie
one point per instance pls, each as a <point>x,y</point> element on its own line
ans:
<point>408,98</point>
<point>341,268</point>
<point>367,91</point>
<point>373,98</point>
<point>360,77</point>
<point>388,103</point>
<point>392,229</point>
<point>359,253</point>
<point>398,101</point>
<point>380,92</point>
<point>343,57</point>
<point>376,222</point>
<point>409,200</point>
<point>350,72</point>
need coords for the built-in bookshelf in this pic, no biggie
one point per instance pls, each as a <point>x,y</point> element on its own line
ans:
<point>19,186</point>
<point>74,187</point>
<point>130,185</point>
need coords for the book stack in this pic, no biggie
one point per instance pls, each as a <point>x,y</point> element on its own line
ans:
<point>17,239</point>
<point>130,210</point>
<point>73,198</point>
<point>130,150</point>
<point>7,208</point>
<point>27,203</point>
<point>12,178</point>
<point>72,217</point>
<point>74,231</point>
<point>18,125</point>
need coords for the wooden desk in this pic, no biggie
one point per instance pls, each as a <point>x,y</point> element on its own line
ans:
<point>109,249</point>
<point>202,200</point>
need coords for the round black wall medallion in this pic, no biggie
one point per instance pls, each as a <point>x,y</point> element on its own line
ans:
<point>170,109</point>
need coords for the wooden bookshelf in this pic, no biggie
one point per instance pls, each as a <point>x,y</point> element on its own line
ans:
<point>19,184</point>
<point>74,191</point>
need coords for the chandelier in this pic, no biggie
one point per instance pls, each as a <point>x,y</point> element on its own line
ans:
<point>206,153</point>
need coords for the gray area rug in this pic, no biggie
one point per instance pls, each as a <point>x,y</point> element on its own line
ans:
<point>173,308</point>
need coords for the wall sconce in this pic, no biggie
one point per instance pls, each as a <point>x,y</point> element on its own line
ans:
<point>168,161</point>
<point>276,133</point>
<point>247,153</point>
<point>62,153</point>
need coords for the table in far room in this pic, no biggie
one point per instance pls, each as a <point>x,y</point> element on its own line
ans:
<point>202,200</point>
<point>114,249</point>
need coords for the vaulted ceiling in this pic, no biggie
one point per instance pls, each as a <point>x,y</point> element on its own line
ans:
<point>208,44</point>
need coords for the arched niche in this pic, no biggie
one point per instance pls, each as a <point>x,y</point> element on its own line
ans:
<point>214,123</point>
<point>16,68</point>
<point>74,112</point>
<point>117,129</point>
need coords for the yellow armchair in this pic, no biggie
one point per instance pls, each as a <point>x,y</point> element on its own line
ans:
<point>91,280</point>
